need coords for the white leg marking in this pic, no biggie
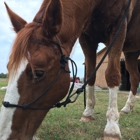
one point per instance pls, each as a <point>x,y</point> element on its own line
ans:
<point>35,138</point>
<point>90,103</point>
<point>12,96</point>
<point>129,103</point>
<point>112,127</point>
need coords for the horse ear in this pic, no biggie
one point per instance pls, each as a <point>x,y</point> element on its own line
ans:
<point>17,22</point>
<point>53,18</point>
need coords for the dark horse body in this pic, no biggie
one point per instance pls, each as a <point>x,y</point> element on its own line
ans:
<point>36,63</point>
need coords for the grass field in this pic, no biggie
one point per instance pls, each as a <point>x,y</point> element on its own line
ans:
<point>64,124</point>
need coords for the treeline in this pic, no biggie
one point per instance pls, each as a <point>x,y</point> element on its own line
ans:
<point>2,75</point>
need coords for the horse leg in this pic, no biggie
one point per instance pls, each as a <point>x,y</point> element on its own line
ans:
<point>132,67</point>
<point>89,48</point>
<point>112,130</point>
<point>112,74</point>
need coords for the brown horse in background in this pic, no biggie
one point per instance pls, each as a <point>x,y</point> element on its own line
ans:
<point>35,60</point>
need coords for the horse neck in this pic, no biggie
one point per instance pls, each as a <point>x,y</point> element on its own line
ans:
<point>76,17</point>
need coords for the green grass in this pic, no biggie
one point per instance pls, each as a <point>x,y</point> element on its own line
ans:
<point>3,82</point>
<point>65,124</point>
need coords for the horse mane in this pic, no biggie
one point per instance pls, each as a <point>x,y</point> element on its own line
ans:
<point>20,49</point>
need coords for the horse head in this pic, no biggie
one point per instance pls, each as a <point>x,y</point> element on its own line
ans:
<point>33,65</point>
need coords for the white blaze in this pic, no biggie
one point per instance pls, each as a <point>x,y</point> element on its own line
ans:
<point>12,96</point>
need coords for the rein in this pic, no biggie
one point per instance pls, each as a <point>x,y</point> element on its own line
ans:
<point>80,90</point>
<point>63,62</point>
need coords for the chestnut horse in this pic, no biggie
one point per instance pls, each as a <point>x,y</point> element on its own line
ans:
<point>35,60</point>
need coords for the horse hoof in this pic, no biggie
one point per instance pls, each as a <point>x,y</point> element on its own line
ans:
<point>123,113</point>
<point>87,118</point>
<point>111,138</point>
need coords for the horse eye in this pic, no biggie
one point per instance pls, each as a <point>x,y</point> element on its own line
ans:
<point>38,74</point>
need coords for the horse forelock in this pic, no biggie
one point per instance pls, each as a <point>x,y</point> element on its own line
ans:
<point>20,49</point>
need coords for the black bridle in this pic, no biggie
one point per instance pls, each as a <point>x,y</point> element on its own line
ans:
<point>63,62</point>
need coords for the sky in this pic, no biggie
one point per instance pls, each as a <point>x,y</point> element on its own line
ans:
<point>27,10</point>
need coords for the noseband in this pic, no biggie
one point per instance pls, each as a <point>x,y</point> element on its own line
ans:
<point>63,61</point>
